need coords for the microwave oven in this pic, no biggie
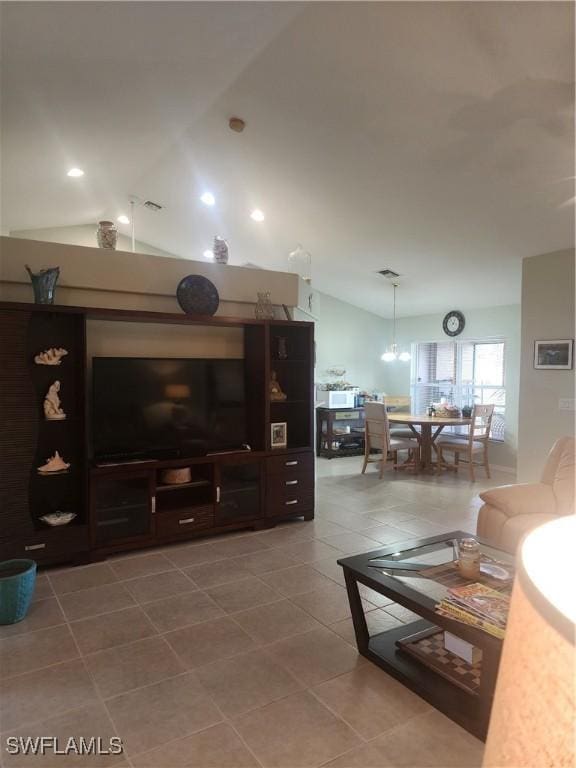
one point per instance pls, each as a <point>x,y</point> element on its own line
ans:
<point>343,398</point>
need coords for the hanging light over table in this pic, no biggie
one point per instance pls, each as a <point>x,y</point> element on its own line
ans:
<point>392,353</point>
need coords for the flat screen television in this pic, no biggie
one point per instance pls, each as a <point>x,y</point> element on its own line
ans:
<point>166,408</point>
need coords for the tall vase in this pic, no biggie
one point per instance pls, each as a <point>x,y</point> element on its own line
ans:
<point>44,284</point>
<point>107,235</point>
<point>220,250</point>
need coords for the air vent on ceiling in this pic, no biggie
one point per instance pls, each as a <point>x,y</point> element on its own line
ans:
<point>388,273</point>
<point>152,206</point>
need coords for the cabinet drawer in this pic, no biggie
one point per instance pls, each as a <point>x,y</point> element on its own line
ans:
<point>294,483</point>
<point>179,522</point>
<point>290,505</point>
<point>53,545</point>
<point>290,464</point>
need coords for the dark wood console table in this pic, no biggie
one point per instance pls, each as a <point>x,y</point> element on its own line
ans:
<point>124,505</point>
<point>339,432</point>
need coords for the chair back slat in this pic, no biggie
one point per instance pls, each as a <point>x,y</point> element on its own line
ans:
<point>481,422</point>
<point>377,427</point>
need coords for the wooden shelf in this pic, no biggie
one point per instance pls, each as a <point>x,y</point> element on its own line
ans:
<point>145,316</point>
<point>179,486</point>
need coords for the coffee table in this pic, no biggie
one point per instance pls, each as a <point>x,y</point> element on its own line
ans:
<point>413,652</point>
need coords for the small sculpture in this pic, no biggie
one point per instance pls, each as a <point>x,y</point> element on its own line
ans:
<point>275,388</point>
<point>52,408</point>
<point>52,356</point>
<point>264,309</point>
<point>54,464</point>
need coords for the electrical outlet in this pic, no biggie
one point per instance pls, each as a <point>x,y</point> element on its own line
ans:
<point>566,404</point>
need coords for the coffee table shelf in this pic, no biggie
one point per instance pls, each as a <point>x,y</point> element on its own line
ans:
<point>435,689</point>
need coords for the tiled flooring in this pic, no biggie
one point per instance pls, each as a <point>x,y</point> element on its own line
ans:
<point>236,651</point>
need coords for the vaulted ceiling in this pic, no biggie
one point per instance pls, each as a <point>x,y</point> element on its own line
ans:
<point>432,138</point>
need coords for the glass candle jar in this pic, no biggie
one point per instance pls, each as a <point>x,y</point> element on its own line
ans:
<point>469,558</point>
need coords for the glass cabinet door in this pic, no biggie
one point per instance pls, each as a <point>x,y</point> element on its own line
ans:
<point>238,495</point>
<point>122,507</point>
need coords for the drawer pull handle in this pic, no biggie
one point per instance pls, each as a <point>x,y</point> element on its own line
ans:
<point>292,501</point>
<point>153,505</point>
<point>291,463</point>
<point>186,520</point>
<point>30,547</point>
<point>291,482</point>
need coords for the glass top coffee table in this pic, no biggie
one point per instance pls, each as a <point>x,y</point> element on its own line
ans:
<point>417,574</point>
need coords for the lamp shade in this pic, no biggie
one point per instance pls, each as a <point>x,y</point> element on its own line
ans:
<point>534,717</point>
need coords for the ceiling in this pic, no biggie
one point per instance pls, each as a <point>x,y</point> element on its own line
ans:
<point>433,138</point>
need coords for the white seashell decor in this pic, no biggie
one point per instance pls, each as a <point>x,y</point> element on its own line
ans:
<point>52,356</point>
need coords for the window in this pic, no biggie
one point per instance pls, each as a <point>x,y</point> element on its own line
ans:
<point>464,372</point>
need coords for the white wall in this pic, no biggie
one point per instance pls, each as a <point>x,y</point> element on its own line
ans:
<point>547,313</point>
<point>351,338</point>
<point>503,322</point>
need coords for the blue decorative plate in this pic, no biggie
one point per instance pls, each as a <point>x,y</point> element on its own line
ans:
<point>197,295</point>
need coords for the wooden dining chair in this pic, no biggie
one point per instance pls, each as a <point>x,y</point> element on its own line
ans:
<point>377,437</point>
<point>469,445</point>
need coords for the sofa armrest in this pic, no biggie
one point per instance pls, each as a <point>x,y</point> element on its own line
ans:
<point>522,499</point>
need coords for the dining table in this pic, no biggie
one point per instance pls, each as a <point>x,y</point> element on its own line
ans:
<point>430,428</point>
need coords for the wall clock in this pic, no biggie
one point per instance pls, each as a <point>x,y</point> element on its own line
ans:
<point>454,323</point>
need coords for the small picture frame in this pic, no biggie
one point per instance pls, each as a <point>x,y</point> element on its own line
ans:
<point>555,354</point>
<point>279,434</point>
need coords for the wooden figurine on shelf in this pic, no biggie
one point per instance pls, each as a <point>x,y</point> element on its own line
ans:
<point>52,408</point>
<point>275,388</point>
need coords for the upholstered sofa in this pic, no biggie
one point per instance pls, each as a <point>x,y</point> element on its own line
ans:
<point>512,510</point>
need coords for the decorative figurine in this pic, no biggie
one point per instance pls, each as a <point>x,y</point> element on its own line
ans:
<point>264,309</point>
<point>44,284</point>
<point>275,388</point>
<point>52,356</point>
<point>54,465</point>
<point>220,250</point>
<point>58,518</point>
<point>282,352</point>
<point>52,408</point>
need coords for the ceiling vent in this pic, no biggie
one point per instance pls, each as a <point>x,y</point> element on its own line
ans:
<point>389,273</point>
<point>152,206</point>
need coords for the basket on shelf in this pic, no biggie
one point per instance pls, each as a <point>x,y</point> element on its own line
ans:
<point>17,582</point>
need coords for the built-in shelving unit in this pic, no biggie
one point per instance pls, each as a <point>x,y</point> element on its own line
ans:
<point>126,505</point>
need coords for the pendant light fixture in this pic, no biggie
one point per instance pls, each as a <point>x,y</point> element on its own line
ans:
<point>392,353</point>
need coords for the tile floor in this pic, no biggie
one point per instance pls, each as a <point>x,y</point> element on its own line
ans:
<point>237,651</point>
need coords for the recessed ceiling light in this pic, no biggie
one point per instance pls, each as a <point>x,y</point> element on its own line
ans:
<point>208,198</point>
<point>257,215</point>
<point>208,254</point>
<point>123,219</point>
<point>75,173</point>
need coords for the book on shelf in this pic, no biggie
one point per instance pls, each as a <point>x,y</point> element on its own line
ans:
<point>477,605</point>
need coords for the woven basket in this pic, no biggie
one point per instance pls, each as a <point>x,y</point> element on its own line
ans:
<point>17,582</point>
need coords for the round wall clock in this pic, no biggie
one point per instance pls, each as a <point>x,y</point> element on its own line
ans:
<point>454,323</point>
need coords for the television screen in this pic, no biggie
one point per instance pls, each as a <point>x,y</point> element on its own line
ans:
<point>166,408</point>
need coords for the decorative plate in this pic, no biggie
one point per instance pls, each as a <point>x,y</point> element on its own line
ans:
<point>197,295</point>
<point>58,518</point>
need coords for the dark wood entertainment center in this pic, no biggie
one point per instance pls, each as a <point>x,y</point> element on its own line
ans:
<point>124,505</point>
